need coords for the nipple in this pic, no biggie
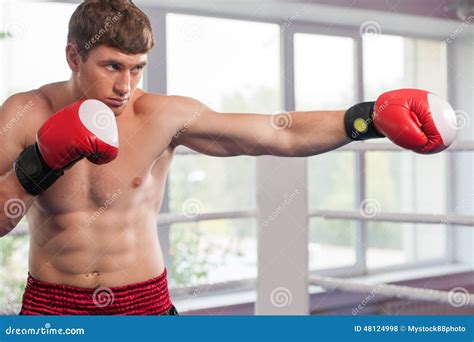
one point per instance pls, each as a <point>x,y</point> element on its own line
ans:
<point>136,182</point>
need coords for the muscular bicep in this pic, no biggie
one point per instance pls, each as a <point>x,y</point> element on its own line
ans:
<point>228,134</point>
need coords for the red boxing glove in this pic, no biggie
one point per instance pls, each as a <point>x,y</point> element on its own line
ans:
<point>86,128</point>
<point>416,120</point>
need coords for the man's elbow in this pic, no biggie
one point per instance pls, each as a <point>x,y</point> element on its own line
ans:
<point>5,229</point>
<point>285,144</point>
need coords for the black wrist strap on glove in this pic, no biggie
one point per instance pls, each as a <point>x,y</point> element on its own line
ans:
<point>33,172</point>
<point>359,122</point>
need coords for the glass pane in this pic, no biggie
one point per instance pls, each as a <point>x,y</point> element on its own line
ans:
<point>13,268</point>
<point>230,65</point>
<point>391,244</point>
<point>332,243</point>
<point>392,62</point>
<point>31,32</point>
<point>407,182</point>
<point>430,241</point>
<point>331,181</point>
<point>324,79</point>
<point>241,75</point>
<point>212,184</point>
<point>212,251</point>
<point>324,72</point>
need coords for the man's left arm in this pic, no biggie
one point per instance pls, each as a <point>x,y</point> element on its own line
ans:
<point>411,118</point>
<point>289,134</point>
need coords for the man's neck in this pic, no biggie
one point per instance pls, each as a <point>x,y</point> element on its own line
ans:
<point>72,90</point>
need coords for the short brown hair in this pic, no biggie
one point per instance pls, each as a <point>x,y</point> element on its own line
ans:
<point>115,23</point>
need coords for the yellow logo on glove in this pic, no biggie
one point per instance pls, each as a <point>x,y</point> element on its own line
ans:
<point>360,125</point>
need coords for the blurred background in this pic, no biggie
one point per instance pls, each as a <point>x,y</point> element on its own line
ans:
<point>270,56</point>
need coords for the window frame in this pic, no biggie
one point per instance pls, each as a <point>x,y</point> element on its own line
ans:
<point>288,94</point>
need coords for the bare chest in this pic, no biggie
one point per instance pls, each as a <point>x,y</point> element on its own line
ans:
<point>129,181</point>
<point>136,177</point>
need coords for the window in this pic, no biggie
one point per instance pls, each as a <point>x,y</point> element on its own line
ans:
<point>404,181</point>
<point>231,66</point>
<point>332,244</point>
<point>30,61</point>
<point>27,62</point>
<point>325,79</point>
<point>325,73</point>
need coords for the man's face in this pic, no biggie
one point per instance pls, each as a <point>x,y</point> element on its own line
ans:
<point>110,76</point>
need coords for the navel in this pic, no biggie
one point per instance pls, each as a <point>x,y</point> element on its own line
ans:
<point>92,274</point>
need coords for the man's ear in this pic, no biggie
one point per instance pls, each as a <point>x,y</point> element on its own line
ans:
<point>73,57</point>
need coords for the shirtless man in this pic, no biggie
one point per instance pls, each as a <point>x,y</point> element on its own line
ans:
<point>79,257</point>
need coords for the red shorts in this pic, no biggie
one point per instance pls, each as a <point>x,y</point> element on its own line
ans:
<point>150,297</point>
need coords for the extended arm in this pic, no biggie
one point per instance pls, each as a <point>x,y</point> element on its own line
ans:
<point>413,119</point>
<point>293,134</point>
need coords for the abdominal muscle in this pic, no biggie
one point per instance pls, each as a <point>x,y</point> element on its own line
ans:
<point>86,249</point>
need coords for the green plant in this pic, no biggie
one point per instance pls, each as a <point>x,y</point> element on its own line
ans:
<point>4,35</point>
<point>190,255</point>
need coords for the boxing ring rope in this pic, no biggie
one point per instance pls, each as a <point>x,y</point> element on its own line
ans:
<point>394,291</point>
<point>166,219</point>
<point>393,217</point>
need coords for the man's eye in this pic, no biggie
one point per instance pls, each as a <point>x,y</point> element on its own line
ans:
<point>137,69</point>
<point>112,67</point>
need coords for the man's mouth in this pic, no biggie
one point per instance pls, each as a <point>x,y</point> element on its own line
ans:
<point>116,103</point>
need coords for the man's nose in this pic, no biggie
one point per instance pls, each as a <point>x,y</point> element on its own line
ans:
<point>122,86</point>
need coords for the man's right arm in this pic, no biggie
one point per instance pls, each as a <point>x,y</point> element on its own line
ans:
<point>14,200</point>
<point>74,132</point>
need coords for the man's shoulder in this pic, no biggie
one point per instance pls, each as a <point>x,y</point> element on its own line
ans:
<point>154,103</point>
<point>165,110</point>
<point>25,104</point>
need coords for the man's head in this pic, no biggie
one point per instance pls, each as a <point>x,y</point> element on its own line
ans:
<point>108,43</point>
